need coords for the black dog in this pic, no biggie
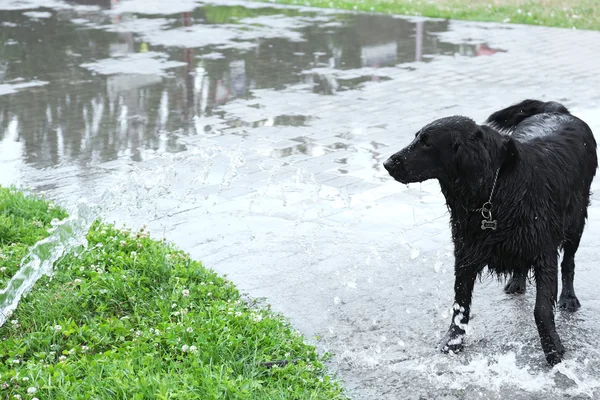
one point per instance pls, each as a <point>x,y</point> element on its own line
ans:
<point>514,201</point>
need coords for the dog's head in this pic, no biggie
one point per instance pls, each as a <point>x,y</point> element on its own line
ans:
<point>451,148</point>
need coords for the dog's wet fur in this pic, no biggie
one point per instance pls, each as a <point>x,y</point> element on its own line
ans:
<point>546,160</point>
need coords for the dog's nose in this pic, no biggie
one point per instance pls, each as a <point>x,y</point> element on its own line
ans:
<point>388,164</point>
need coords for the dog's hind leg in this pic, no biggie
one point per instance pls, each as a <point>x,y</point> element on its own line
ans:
<point>517,283</point>
<point>568,300</point>
<point>546,279</point>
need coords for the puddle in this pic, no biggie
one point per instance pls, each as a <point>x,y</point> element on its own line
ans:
<point>106,80</point>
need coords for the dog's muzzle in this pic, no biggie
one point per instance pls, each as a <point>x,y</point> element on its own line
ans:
<point>396,168</point>
<point>390,164</point>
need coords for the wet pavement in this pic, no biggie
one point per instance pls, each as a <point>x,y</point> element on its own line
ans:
<point>253,136</point>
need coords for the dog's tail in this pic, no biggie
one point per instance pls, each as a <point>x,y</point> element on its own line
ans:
<point>508,118</point>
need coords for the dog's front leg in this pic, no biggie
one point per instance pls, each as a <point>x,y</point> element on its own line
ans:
<point>464,281</point>
<point>546,279</point>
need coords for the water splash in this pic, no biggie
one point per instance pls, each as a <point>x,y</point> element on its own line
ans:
<point>66,235</point>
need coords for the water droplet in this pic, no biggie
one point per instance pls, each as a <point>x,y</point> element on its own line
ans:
<point>414,253</point>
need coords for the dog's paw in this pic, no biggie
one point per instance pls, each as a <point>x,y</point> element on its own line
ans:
<point>451,342</point>
<point>515,286</point>
<point>569,302</point>
<point>555,357</point>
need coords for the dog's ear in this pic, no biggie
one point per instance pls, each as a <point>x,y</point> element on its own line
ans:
<point>511,152</point>
<point>463,158</point>
<point>467,165</point>
<point>477,135</point>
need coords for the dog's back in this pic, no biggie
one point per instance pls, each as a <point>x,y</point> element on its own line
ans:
<point>532,121</point>
<point>510,117</point>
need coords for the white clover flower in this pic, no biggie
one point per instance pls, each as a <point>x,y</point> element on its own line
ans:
<point>84,348</point>
<point>189,330</point>
<point>133,254</point>
<point>256,317</point>
<point>31,390</point>
<point>77,281</point>
<point>193,349</point>
<point>238,314</point>
<point>25,379</point>
<point>174,305</point>
<point>185,348</point>
<point>185,293</point>
<point>57,328</point>
<point>62,358</point>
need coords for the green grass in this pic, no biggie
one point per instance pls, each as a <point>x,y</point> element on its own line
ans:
<point>23,221</point>
<point>579,14</point>
<point>131,317</point>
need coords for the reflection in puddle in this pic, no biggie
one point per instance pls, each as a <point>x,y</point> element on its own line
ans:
<point>329,85</point>
<point>307,148</point>
<point>280,120</point>
<point>99,84</point>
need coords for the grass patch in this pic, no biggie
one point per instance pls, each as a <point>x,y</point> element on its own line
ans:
<point>131,317</point>
<point>579,14</point>
<point>24,220</point>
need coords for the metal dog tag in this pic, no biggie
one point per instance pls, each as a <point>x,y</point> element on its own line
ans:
<point>488,225</point>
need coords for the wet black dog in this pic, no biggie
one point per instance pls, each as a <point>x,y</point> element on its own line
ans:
<point>517,189</point>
